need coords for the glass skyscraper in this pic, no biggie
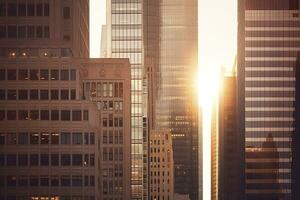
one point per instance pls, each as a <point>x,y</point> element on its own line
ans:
<point>269,35</point>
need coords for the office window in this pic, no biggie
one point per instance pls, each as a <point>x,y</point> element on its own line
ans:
<point>11,94</point>
<point>34,74</point>
<point>2,138</point>
<point>45,138</point>
<point>22,181</point>
<point>92,180</point>
<point>2,31</point>
<point>66,12</point>
<point>39,9</point>
<point>76,181</point>
<point>73,74</point>
<point>23,138</point>
<point>21,32</point>
<point>12,9</point>
<point>76,160</point>
<point>104,137</point>
<point>11,138</point>
<point>2,75</point>
<point>2,115</point>
<point>34,159</point>
<point>54,138</point>
<point>65,115</point>
<point>85,115</point>
<point>86,180</point>
<point>54,94</point>
<point>39,31</point>
<point>22,160</point>
<point>46,32</point>
<point>34,138</point>
<point>23,115</point>
<point>121,89</point>
<point>73,94</point>
<point>64,75</point>
<point>12,31</point>
<point>54,181</point>
<point>64,94</point>
<point>30,9</point>
<point>11,74</point>
<point>34,181</point>
<point>54,159</point>
<point>2,159</point>
<point>21,9</point>
<point>54,74</point>
<point>2,94</point>
<point>65,159</point>
<point>11,115</point>
<point>86,138</point>
<point>44,74</point>
<point>110,137</point>
<point>46,9</point>
<point>86,160</point>
<point>54,114</point>
<point>30,32</point>
<point>11,159</point>
<point>44,114</point>
<point>44,160</point>
<point>23,74</point>
<point>11,181</point>
<point>76,115</point>
<point>34,114</point>
<point>65,181</point>
<point>44,94</point>
<point>2,9</point>
<point>23,94</point>
<point>76,138</point>
<point>65,138</point>
<point>44,180</point>
<point>92,159</point>
<point>34,94</point>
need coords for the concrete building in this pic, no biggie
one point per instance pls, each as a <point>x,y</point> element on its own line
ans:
<point>161,166</point>
<point>267,60</point>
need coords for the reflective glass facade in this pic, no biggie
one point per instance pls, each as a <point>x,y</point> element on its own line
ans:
<point>269,43</point>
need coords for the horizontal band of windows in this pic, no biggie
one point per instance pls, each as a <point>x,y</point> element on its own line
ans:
<point>126,38</point>
<point>270,99</point>
<point>269,119</point>
<point>262,171</point>
<point>129,50</point>
<point>126,12</point>
<point>125,1</point>
<point>270,34</point>
<point>275,145</point>
<point>272,179</point>
<point>273,183</point>
<point>116,27</point>
<point>253,53</point>
<point>269,123</point>
<point>274,39</point>
<point>278,150</point>
<point>264,134</point>
<point>260,165</point>
<point>288,49</point>
<point>267,114</point>
<point>270,83</point>
<point>269,129</point>
<point>262,103</point>
<point>269,63</point>
<point>269,69</point>
<point>261,139</point>
<point>272,43</point>
<point>256,194</point>
<point>272,23</point>
<point>270,89</point>
<point>271,5</point>
<point>269,94</point>
<point>267,154</point>
<point>270,59</point>
<point>268,78</point>
<point>272,28</point>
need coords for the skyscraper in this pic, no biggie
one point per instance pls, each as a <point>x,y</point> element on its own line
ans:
<point>267,53</point>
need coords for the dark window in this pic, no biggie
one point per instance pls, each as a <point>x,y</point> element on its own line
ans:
<point>34,74</point>
<point>46,32</point>
<point>65,181</point>
<point>2,9</point>
<point>44,94</point>
<point>23,74</point>
<point>92,180</point>
<point>45,138</point>
<point>21,32</point>
<point>30,9</point>
<point>22,159</point>
<point>73,94</point>
<point>44,181</point>
<point>54,181</point>
<point>11,138</point>
<point>11,74</point>
<point>76,115</point>
<point>34,159</point>
<point>21,9</point>
<point>64,75</point>
<point>2,74</point>
<point>54,138</point>
<point>34,138</point>
<point>2,115</point>
<point>34,181</point>
<point>44,160</point>
<point>34,94</point>
<point>39,31</point>
<point>54,114</point>
<point>65,138</point>
<point>86,138</point>
<point>85,115</point>
<point>23,115</point>
<point>54,94</point>
<point>2,138</point>
<point>64,94</point>
<point>39,9</point>
<point>12,31</point>
<point>76,160</point>
<point>46,9</point>
<point>11,181</point>
<point>23,138</point>
<point>54,159</point>
<point>44,114</point>
<point>22,181</point>
<point>2,31</point>
<point>11,159</point>
<point>76,180</point>
<point>11,115</point>
<point>54,74</point>
<point>2,159</point>
<point>44,74</point>
<point>92,138</point>
<point>12,9</point>
<point>66,12</point>
<point>30,32</point>
<point>65,160</point>
<point>73,74</point>
<point>34,114</point>
<point>11,94</point>
<point>92,160</point>
<point>77,138</point>
<point>23,94</point>
<point>65,115</point>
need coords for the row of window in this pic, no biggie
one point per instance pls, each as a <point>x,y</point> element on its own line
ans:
<point>54,138</point>
<point>112,188</point>
<point>46,160</point>
<point>112,121</point>
<point>113,137</point>
<point>110,105</point>
<point>103,89</point>
<point>38,74</point>
<point>113,171</point>
<point>113,154</point>
<point>24,32</point>
<point>54,115</point>
<point>47,197</point>
<point>45,180</point>
<point>36,53</point>
<point>35,94</point>
<point>24,9</point>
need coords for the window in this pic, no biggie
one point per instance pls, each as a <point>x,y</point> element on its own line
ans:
<point>46,32</point>
<point>64,94</point>
<point>30,9</point>
<point>85,115</point>
<point>44,160</point>
<point>77,138</point>
<point>54,114</point>
<point>92,180</point>
<point>104,137</point>
<point>66,12</point>
<point>44,94</point>
<point>65,115</point>
<point>2,159</point>
<point>44,114</point>
<point>86,160</point>
<point>33,114</point>
<point>2,94</point>
<point>21,32</point>
<point>65,160</point>
<point>11,181</point>
<point>34,159</point>
<point>23,115</point>
<point>39,31</point>
<point>12,9</point>
<point>11,115</point>
<point>11,94</point>
<point>34,138</point>
<point>2,9</point>
<point>92,160</point>
<point>34,74</point>
<point>64,75</point>
<point>22,181</point>
<point>54,74</point>
<point>76,115</point>
<point>65,181</point>
<point>21,9</point>
<point>39,9</point>
<point>11,159</point>
<point>30,32</point>
<point>11,138</point>
<point>44,138</point>
<point>2,115</point>
<point>23,74</point>
<point>2,138</point>
<point>73,94</point>
<point>34,94</point>
<point>23,138</point>
<point>22,160</point>
<point>54,159</point>
<point>11,74</point>
<point>44,74</point>
<point>86,138</point>
<point>12,31</point>
<point>2,30</point>
<point>65,138</point>
<point>54,181</point>
<point>76,180</point>
<point>73,74</point>
<point>34,181</point>
<point>54,94</point>
<point>54,138</point>
<point>23,94</point>
<point>76,160</point>
<point>44,180</point>
<point>2,74</point>
<point>46,9</point>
